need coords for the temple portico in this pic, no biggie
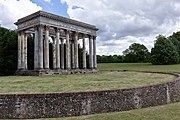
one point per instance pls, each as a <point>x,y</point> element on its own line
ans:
<point>65,34</point>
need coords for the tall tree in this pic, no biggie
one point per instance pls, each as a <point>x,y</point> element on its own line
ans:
<point>164,52</point>
<point>8,51</point>
<point>136,53</point>
<point>175,39</point>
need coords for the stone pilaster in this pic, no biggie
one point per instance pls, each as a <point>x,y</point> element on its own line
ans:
<point>57,48</point>
<point>62,53</point>
<point>84,53</point>
<point>76,60</point>
<point>94,53</point>
<point>54,52</point>
<point>25,51</point>
<point>19,51</point>
<point>68,64</point>
<point>46,48</point>
<point>90,53</point>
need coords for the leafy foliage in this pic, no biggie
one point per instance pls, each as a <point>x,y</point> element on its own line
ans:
<point>136,53</point>
<point>175,39</point>
<point>8,51</point>
<point>164,52</point>
<point>109,59</point>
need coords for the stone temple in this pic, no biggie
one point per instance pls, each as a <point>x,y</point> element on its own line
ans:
<point>65,34</point>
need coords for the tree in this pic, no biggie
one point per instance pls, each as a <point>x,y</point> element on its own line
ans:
<point>136,53</point>
<point>109,59</point>
<point>175,39</point>
<point>8,51</point>
<point>164,52</point>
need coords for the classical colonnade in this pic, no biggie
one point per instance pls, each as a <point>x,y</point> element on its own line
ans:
<point>41,49</point>
<point>62,57</point>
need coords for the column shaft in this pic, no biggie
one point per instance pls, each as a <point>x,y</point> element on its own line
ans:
<point>22,51</point>
<point>40,47</point>
<point>84,52</point>
<point>36,48</point>
<point>72,55</point>
<point>25,51</point>
<point>19,50</point>
<point>67,51</point>
<point>54,53</point>
<point>90,53</point>
<point>94,53</point>
<point>46,48</point>
<point>76,60</point>
<point>57,49</point>
<point>62,53</point>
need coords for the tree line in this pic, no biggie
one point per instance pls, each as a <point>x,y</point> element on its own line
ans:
<point>166,51</point>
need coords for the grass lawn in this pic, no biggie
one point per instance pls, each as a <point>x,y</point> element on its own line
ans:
<point>165,112</point>
<point>101,81</point>
<point>80,82</point>
<point>139,66</point>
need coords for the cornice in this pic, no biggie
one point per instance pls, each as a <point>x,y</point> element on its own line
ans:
<point>55,17</point>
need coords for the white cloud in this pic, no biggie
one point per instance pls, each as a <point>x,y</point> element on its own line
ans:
<point>12,10</point>
<point>123,22</point>
<point>48,1</point>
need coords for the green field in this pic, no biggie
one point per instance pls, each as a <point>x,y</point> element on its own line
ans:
<point>103,80</point>
<point>139,66</point>
<point>80,82</point>
<point>100,81</point>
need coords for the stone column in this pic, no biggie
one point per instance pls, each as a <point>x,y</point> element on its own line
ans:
<point>25,51</point>
<point>62,53</point>
<point>90,53</point>
<point>46,48</point>
<point>72,54</point>
<point>36,48</point>
<point>94,53</point>
<point>76,60</point>
<point>84,52</point>
<point>22,51</point>
<point>68,64</point>
<point>19,51</point>
<point>54,52</point>
<point>57,49</point>
<point>40,47</point>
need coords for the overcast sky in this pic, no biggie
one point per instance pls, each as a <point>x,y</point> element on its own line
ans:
<point>120,22</point>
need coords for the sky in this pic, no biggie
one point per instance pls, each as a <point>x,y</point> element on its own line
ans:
<point>120,22</point>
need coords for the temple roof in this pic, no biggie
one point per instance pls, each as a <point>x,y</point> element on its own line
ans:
<point>55,17</point>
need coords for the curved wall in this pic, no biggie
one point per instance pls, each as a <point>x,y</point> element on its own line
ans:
<point>83,103</point>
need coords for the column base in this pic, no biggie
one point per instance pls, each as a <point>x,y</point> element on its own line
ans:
<point>45,72</point>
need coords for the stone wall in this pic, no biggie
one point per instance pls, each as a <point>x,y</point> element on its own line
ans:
<point>83,103</point>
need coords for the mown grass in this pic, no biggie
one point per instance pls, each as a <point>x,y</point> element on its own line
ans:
<point>101,81</point>
<point>80,82</point>
<point>165,112</point>
<point>139,66</point>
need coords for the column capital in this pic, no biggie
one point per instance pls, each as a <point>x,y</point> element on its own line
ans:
<point>21,32</point>
<point>94,37</point>
<point>67,31</point>
<point>57,29</point>
<point>76,32</point>
<point>46,27</point>
<point>84,35</point>
<point>90,37</point>
<point>38,26</point>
